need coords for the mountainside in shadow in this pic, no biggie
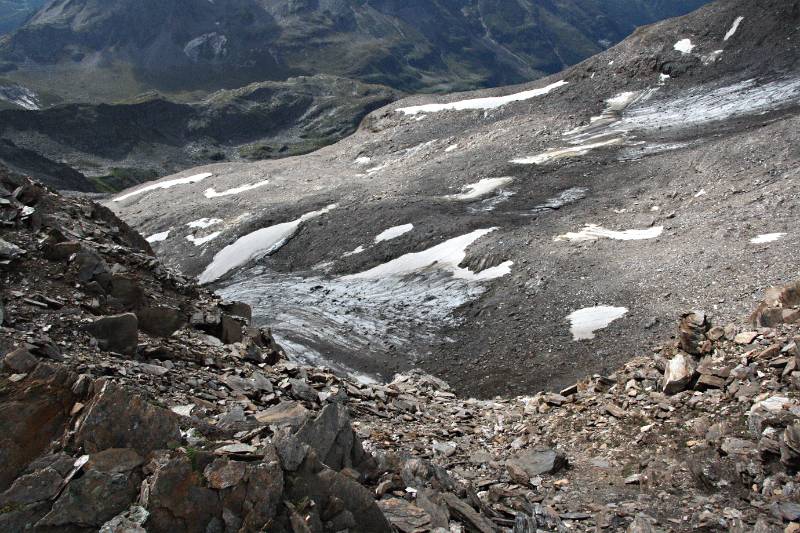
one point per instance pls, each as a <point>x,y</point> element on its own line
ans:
<point>88,49</point>
<point>120,145</point>
<point>515,238</point>
<point>14,13</point>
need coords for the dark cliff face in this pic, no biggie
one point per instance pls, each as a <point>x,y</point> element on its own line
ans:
<point>417,45</point>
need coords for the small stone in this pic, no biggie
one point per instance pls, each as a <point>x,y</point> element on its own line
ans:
<point>745,337</point>
<point>223,473</point>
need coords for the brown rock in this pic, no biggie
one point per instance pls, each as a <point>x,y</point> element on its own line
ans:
<point>291,414</point>
<point>405,516</point>
<point>746,337</point>
<point>472,520</point>
<point>20,361</point>
<point>692,332</point>
<point>708,381</point>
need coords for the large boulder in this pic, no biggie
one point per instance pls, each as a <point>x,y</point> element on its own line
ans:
<point>679,373</point>
<point>332,437</point>
<point>116,419</point>
<point>531,463</point>
<point>117,333</point>
<point>692,333</point>
<point>33,413</point>
<point>160,321</point>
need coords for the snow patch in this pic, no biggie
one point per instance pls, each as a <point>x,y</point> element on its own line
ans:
<point>563,153</point>
<point>584,322</point>
<point>393,233</point>
<point>445,256</point>
<point>203,223</point>
<point>168,184</point>
<point>21,96</point>
<point>451,148</point>
<point>212,193</point>
<point>593,232</point>
<point>684,46</point>
<point>254,246</point>
<point>361,161</point>
<point>158,237</point>
<point>357,251</point>
<point>734,28</point>
<point>481,103</point>
<point>767,237</point>
<point>200,241</point>
<point>479,189</point>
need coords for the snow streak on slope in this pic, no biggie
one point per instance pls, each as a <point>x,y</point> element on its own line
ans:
<point>593,232</point>
<point>481,103</point>
<point>254,246</point>
<point>734,28</point>
<point>165,185</point>
<point>481,188</point>
<point>393,233</point>
<point>446,257</point>
<point>212,193</point>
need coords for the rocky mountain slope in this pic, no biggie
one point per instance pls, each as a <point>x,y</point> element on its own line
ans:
<point>84,50</point>
<point>133,401</point>
<point>117,146</point>
<point>14,13</point>
<point>516,239</point>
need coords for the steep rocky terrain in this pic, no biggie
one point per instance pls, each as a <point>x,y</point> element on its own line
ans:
<point>133,401</point>
<point>117,146</point>
<point>515,239</point>
<point>84,50</point>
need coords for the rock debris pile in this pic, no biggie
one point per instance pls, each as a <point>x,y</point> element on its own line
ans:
<point>132,401</point>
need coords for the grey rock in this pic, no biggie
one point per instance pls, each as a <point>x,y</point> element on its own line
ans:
<point>291,414</point>
<point>291,451</point>
<point>160,321</point>
<point>531,463</point>
<point>9,251</point>
<point>116,419</point>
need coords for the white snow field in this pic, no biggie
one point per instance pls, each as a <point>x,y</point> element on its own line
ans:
<point>393,233</point>
<point>212,193</point>
<point>593,232</point>
<point>584,322</point>
<point>255,245</point>
<point>767,238</point>
<point>158,237</point>
<point>481,103</point>
<point>165,185</point>
<point>479,189</point>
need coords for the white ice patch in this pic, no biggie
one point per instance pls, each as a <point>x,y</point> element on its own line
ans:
<point>451,148</point>
<point>168,184</point>
<point>378,168</point>
<point>584,322</point>
<point>203,223</point>
<point>254,246</point>
<point>444,257</point>
<point>481,103</point>
<point>767,237</point>
<point>684,46</point>
<point>357,251</point>
<point>701,192</point>
<point>734,28</point>
<point>563,153</point>
<point>361,161</point>
<point>479,189</point>
<point>200,241</point>
<point>21,96</point>
<point>212,193</point>
<point>393,233</point>
<point>593,232</point>
<point>158,237</point>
